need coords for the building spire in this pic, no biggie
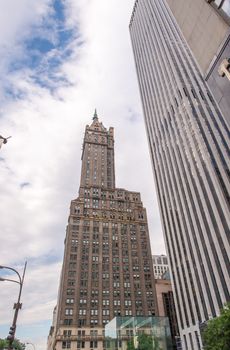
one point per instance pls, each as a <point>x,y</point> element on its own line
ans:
<point>95,114</point>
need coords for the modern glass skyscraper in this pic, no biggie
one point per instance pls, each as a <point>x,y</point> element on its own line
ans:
<point>189,145</point>
<point>107,268</point>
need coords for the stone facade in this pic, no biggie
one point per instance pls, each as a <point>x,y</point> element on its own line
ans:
<point>107,267</point>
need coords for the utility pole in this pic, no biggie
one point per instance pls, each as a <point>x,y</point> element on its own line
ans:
<point>17,305</point>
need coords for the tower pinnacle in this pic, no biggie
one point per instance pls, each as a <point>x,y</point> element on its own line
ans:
<point>95,114</point>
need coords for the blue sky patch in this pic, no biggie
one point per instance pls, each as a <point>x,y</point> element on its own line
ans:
<point>45,51</point>
<point>40,45</point>
<point>25,332</point>
<point>59,10</point>
<point>47,259</point>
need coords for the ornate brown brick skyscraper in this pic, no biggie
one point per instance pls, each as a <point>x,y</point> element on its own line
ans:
<point>107,268</point>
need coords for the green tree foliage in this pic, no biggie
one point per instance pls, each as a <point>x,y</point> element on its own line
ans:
<point>3,344</point>
<point>130,345</point>
<point>17,345</point>
<point>145,342</point>
<point>216,335</point>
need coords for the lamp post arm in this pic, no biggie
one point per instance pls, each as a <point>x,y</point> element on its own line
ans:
<point>8,279</point>
<point>10,268</point>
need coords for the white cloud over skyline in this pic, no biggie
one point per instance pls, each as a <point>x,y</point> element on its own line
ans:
<point>46,101</point>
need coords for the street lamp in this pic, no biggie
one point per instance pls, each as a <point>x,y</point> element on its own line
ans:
<point>17,305</point>
<point>3,140</point>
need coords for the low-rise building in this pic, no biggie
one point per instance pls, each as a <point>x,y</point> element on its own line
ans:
<point>160,265</point>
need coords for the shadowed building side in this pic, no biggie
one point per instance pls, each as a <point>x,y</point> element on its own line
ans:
<point>189,145</point>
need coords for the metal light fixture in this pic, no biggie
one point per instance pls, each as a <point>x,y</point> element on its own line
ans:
<point>17,305</point>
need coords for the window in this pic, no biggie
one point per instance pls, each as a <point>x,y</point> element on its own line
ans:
<point>80,344</point>
<point>94,275</point>
<point>94,302</point>
<point>72,266</point>
<point>68,322</point>
<point>116,284</point>
<point>70,291</point>
<point>127,293</point>
<point>68,311</point>
<point>94,312</point>
<point>104,321</point>
<point>80,333</point>
<point>94,283</point>
<point>94,292</point>
<point>74,242</point>
<point>81,322</point>
<point>69,301</point>
<point>93,322</point>
<point>66,344</point>
<point>67,333</point>
<point>128,312</point>
<point>116,276</point>
<point>73,257</point>
<point>93,333</point>
<point>117,312</point>
<point>71,282</point>
<point>83,283</point>
<point>139,312</point>
<point>93,344</point>
<point>105,292</point>
<point>105,312</point>
<point>82,311</point>
<point>138,303</point>
<point>83,292</point>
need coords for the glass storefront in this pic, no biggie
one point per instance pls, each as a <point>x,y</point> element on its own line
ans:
<point>124,333</point>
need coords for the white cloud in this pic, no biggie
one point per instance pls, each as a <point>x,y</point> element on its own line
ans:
<point>47,129</point>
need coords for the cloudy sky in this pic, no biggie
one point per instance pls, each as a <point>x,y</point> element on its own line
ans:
<point>60,60</point>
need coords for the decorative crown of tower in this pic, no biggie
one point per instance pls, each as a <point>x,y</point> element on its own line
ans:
<point>95,116</point>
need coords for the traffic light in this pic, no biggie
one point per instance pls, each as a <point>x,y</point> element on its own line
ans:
<point>11,333</point>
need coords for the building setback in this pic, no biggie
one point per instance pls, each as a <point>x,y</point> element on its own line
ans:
<point>189,145</point>
<point>206,27</point>
<point>160,265</point>
<point>166,305</point>
<point>107,268</point>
